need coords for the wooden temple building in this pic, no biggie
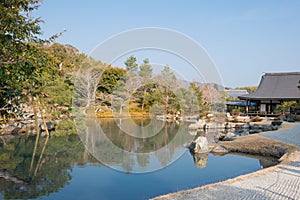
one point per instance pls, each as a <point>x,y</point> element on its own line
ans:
<point>274,89</point>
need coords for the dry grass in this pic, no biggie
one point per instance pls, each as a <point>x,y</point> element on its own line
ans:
<point>257,145</point>
<point>108,114</point>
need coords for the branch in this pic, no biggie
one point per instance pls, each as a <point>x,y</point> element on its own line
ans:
<point>10,62</point>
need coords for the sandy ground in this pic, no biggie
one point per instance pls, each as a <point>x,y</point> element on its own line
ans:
<point>278,182</point>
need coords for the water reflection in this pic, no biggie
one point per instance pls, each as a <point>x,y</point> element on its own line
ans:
<point>157,143</point>
<point>200,159</point>
<point>51,169</point>
<point>204,140</point>
<point>199,149</point>
<point>29,172</point>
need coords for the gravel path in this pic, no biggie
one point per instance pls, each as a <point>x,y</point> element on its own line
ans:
<point>291,136</point>
<point>282,182</point>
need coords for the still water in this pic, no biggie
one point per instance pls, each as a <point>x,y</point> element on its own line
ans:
<point>66,170</point>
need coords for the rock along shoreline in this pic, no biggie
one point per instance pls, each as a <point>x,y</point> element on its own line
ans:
<point>241,186</point>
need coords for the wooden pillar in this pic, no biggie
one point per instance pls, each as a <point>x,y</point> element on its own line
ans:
<point>271,106</point>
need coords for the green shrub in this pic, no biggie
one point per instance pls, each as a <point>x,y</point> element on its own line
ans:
<point>65,127</point>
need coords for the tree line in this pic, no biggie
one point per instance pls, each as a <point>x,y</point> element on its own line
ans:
<point>41,72</point>
<point>137,88</point>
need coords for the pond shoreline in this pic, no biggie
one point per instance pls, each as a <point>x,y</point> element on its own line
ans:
<point>195,192</point>
<point>250,144</point>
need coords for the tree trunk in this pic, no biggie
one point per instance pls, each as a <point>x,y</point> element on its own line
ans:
<point>167,99</point>
<point>143,104</point>
<point>37,134</point>
<point>38,166</point>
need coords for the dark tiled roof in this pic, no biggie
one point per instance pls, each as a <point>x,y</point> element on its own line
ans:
<point>277,86</point>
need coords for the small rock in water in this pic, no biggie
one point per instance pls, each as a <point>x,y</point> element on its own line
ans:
<point>229,136</point>
<point>219,149</point>
<point>266,128</point>
<point>244,132</point>
<point>246,126</point>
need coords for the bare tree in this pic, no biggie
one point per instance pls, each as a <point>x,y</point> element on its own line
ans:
<point>86,84</point>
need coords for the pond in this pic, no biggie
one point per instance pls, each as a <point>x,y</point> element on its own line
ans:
<point>62,168</point>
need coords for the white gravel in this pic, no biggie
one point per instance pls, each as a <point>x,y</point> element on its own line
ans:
<point>283,182</point>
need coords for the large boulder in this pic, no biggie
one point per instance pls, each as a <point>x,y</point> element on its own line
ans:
<point>200,145</point>
<point>226,136</point>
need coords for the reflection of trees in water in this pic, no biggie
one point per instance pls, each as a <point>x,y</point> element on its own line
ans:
<point>142,145</point>
<point>143,159</point>
<point>128,163</point>
<point>52,172</point>
<point>114,147</point>
<point>164,156</point>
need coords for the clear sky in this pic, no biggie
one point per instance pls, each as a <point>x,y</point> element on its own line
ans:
<point>244,38</point>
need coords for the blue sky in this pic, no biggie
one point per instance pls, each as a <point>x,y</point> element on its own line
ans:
<point>244,38</point>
